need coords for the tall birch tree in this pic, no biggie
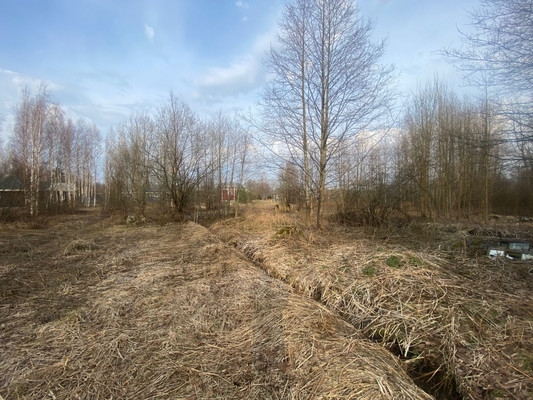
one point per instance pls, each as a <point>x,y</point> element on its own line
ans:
<point>327,86</point>
<point>28,142</point>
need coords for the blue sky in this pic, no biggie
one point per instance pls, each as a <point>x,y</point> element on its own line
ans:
<point>104,59</point>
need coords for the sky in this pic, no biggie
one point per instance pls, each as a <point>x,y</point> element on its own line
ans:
<point>103,60</point>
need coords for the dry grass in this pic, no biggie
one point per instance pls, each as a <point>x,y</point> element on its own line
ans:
<point>111,311</point>
<point>461,323</point>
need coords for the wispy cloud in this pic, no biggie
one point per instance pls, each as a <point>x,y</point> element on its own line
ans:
<point>20,81</point>
<point>100,95</point>
<point>240,72</point>
<point>242,4</point>
<point>242,78</point>
<point>149,32</point>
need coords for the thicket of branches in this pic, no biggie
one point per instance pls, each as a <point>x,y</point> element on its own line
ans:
<point>448,157</point>
<point>176,160</point>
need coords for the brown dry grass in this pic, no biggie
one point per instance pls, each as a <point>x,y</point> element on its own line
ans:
<point>99,311</point>
<point>461,323</point>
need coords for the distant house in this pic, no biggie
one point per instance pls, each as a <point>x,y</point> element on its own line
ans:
<point>228,194</point>
<point>11,192</point>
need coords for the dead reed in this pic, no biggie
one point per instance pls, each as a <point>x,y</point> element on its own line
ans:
<point>173,313</point>
<point>461,324</point>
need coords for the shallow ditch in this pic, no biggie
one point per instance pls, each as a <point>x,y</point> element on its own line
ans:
<point>428,374</point>
<point>425,373</point>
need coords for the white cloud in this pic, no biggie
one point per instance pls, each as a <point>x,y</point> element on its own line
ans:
<point>262,42</point>
<point>20,81</point>
<point>149,32</point>
<point>6,71</point>
<point>239,72</point>
<point>244,74</point>
<point>242,4</point>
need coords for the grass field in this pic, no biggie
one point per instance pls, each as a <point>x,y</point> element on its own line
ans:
<point>261,307</point>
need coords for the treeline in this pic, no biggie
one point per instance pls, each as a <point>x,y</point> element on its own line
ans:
<point>454,157</point>
<point>448,158</point>
<point>171,159</point>
<point>51,161</point>
<point>177,161</point>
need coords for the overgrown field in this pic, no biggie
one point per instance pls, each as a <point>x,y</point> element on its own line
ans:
<point>260,307</point>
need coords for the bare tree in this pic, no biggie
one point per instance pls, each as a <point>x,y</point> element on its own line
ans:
<point>4,160</point>
<point>178,158</point>
<point>327,86</point>
<point>115,174</point>
<point>219,131</point>
<point>498,55</point>
<point>51,155</point>
<point>179,164</point>
<point>286,97</point>
<point>28,142</point>
<point>448,157</point>
<point>242,156</point>
<point>86,156</point>
<point>66,160</point>
<point>55,161</point>
<point>134,141</point>
<point>290,183</point>
<point>259,189</point>
<point>227,148</point>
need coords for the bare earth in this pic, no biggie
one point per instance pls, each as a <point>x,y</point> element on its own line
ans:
<point>257,307</point>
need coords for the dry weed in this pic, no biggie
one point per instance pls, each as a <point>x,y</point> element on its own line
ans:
<point>171,312</point>
<point>461,324</point>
